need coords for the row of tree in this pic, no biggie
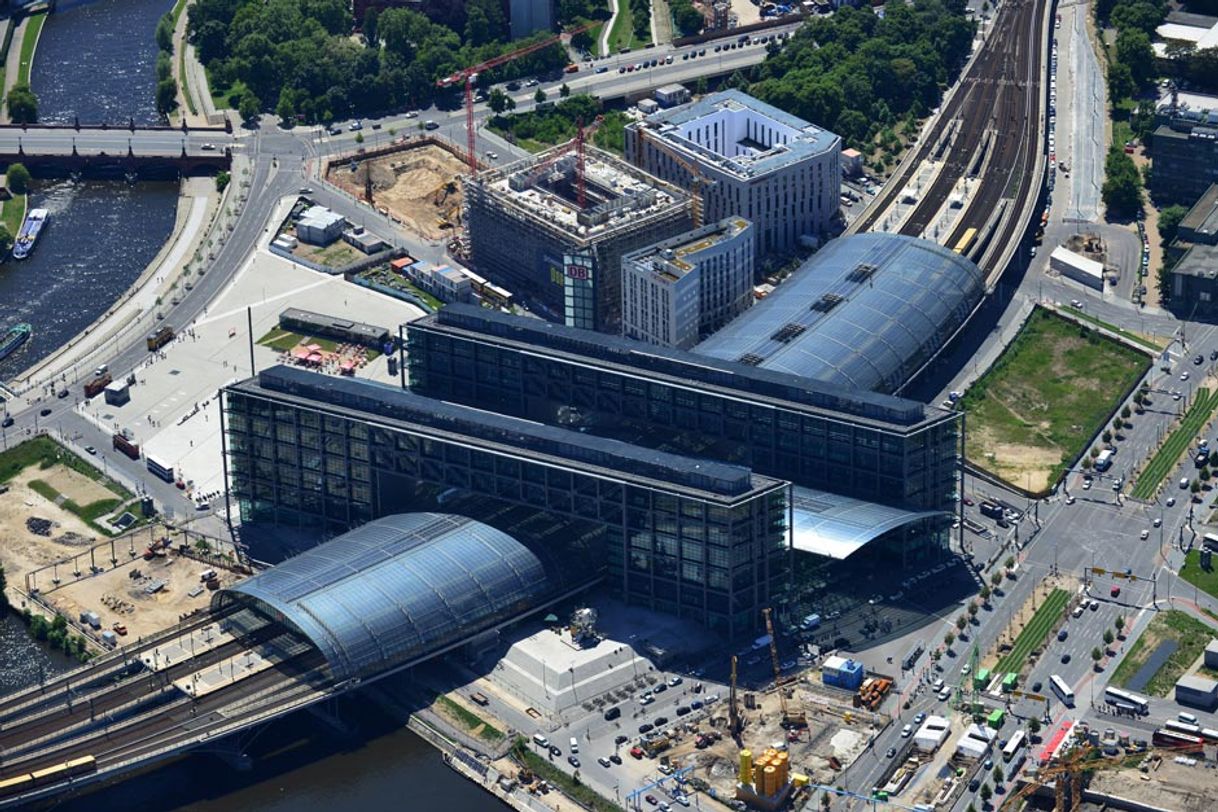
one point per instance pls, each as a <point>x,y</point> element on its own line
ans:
<point>166,85</point>
<point>57,634</point>
<point>857,74</point>
<point>299,54</point>
<point>556,124</point>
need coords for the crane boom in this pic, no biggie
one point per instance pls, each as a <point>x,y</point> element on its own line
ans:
<point>698,181</point>
<point>788,719</point>
<point>468,75</point>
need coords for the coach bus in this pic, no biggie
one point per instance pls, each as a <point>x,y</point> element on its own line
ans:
<point>1180,742</point>
<point>1115,696</point>
<point>1183,727</point>
<point>1063,691</point>
<point>158,468</point>
<point>1016,742</point>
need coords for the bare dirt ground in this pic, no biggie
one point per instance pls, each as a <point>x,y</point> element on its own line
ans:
<point>75,485</point>
<point>22,551</point>
<point>1169,786</point>
<point>1025,465</point>
<point>419,185</point>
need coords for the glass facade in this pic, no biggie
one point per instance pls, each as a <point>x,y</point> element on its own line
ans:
<point>677,534</point>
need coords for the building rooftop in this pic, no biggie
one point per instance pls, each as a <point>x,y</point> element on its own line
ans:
<point>398,589</point>
<point>1200,36</point>
<point>674,257</point>
<point>791,138</point>
<point>319,217</point>
<point>682,367</point>
<point>1196,682</point>
<point>357,396</point>
<point>1199,260</point>
<point>1202,218</point>
<point>866,311</point>
<point>543,188</point>
<point>371,331</point>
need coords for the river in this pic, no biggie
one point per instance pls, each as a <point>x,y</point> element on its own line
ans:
<point>97,60</point>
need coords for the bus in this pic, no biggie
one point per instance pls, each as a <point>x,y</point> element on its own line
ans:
<point>1017,741</point>
<point>158,468</point>
<point>1183,727</point>
<point>1210,735</point>
<point>1115,696</point>
<point>1180,742</point>
<point>1064,692</point>
<point>966,241</point>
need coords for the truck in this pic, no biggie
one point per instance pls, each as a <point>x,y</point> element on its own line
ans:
<point>991,510</point>
<point>121,443</point>
<point>1104,461</point>
<point>160,338</point>
<point>95,386</point>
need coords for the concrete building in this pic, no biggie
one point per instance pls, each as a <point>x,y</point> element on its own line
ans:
<point>529,233</point>
<point>320,226</point>
<point>364,240</point>
<point>442,281</point>
<point>932,734</point>
<point>1197,692</point>
<point>852,162</point>
<point>672,95</point>
<point>756,161</point>
<point>1200,225</point>
<point>1184,147</point>
<point>1211,655</point>
<point>1077,267</point>
<point>678,291</point>
<point>318,325</point>
<point>530,16</point>
<point>1194,283</point>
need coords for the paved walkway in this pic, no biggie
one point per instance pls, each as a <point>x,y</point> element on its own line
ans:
<point>13,64</point>
<point>194,82</point>
<point>661,22</point>
<point>607,28</point>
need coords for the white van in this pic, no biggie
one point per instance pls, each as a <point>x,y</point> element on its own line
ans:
<point>541,741</point>
<point>574,745</point>
<point>1187,718</point>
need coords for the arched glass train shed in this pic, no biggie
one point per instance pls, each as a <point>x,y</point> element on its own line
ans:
<point>396,589</point>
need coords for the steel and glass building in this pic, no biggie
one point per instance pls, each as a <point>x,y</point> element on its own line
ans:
<point>399,589</point>
<point>692,536</point>
<point>865,312</point>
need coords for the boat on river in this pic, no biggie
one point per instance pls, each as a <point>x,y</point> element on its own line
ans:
<point>17,335</point>
<point>31,227</point>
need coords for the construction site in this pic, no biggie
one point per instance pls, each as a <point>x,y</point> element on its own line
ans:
<point>552,228</point>
<point>416,182</point>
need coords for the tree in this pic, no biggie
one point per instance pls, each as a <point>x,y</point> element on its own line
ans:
<point>996,579</point>
<point>539,96</point>
<point>285,109</point>
<point>998,775</point>
<point>501,102</point>
<point>985,592</point>
<point>22,104</point>
<point>1033,725</point>
<point>3,580</point>
<point>6,244</point>
<point>369,26</point>
<point>1009,563</point>
<point>359,138</point>
<point>1195,488</point>
<point>961,623</point>
<point>1120,82</point>
<point>564,91</point>
<point>1122,191</point>
<point>1087,463</point>
<point>700,86</point>
<point>1108,637</point>
<point>1119,623</point>
<point>166,96</point>
<point>18,178</point>
<point>948,640</point>
<point>1096,654</point>
<point>222,180</point>
<point>1133,49</point>
<point>986,793</point>
<point>249,109</point>
<point>972,608</point>
<point>1169,222</point>
<point>164,33</point>
<point>1106,436</point>
<point>1125,412</point>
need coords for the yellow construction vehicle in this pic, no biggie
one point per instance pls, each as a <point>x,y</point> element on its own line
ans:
<point>789,719</point>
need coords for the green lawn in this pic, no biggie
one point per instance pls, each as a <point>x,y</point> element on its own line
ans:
<point>622,34</point>
<point>284,340</point>
<point>1045,397</point>
<point>472,721</point>
<point>1205,580</point>
<point>579,791</point>
<point>45,452</point>
<point>1033,634</point>
<point>1153,346</point>
<point>89,513</point>
<point>1165,459</point>
<point>32,29</point>
<point>13,213</point>
<point>1192,636</point>
<point>228,97</point>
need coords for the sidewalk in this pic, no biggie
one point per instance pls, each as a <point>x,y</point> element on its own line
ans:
<point>194,82</point>
<point>13,64</point>
<point>607,28</point>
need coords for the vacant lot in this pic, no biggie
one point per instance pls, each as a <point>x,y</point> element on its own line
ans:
<point>1190,634</point>
<point>1045,398</point>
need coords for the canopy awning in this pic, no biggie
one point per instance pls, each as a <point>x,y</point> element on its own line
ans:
<point>838,526</point>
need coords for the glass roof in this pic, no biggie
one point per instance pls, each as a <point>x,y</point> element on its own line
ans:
<point>399,588</point>
<point>866,311</point>
<point>838,526</point>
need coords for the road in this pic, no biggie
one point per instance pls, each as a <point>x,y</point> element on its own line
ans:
<point>1086,132</point>
<point>113,141</point>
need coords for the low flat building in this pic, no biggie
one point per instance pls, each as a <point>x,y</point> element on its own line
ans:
<point>682,289</point>
<point>365,241</point>
<point>445,283</point>
<point>1200,225</point>
<point>852,162</point>
<point>672,95</point>
<point>1197,692</point>
<point>1077,267</point>
<point>320,226</point>
<point>319,325</point>
<point>1211,655</point>
<point>932,734</point>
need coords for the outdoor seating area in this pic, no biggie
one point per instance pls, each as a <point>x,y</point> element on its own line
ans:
<point>344,359</point>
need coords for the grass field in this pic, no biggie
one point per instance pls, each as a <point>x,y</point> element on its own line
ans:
<point>32,30</point>
<point>89,513</point>
<point>284,340</point>
<point>45,452</point>
<point>473,723</point>
<point>1165,459</point>
<point>579,791</point>
<point>1044,399</point>
<point>1034,633</point>
<point>13,213</point>
<point>1206,581</point>
<point>1192,636</point>
<point>622,34</point>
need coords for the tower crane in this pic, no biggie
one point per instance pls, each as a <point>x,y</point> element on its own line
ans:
<point>698,181</point>
<point>789,719</point>
<point>470,74</point>
<point>582,134</point>
<point>734,722</point>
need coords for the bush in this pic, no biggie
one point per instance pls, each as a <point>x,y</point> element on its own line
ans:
<point>22,105</point>
<point>18,178</point>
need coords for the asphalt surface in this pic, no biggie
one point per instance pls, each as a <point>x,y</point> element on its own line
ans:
<point>113,141</point>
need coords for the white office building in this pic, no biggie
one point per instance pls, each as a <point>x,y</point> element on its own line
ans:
<point>682,289</point>
<point>757,162</point>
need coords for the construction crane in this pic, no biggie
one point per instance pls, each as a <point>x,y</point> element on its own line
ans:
<point>734,722</point>
<point>582,134</point>
<point>470,75</point>
<point>789,719</point>
<point>698,181</point>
